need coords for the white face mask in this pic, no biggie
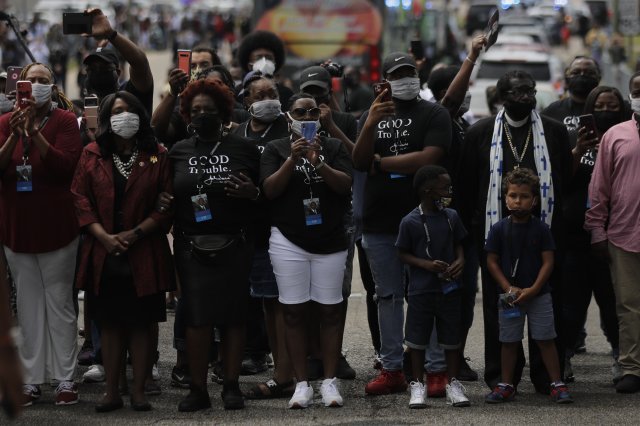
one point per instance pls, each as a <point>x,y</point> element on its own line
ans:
<point>406,88</point>
<point>266,111</point>
<point>635,104</point>
<point>41,93</point>
<point>125,124</point>
<point>466,103</point>
<point>265,66</point>
<point>296,125</point>
<point>6,104</point>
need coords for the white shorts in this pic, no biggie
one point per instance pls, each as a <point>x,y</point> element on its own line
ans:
<point>304,276</point>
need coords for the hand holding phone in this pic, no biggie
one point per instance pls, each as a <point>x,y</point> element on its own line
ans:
<point>13,75</point>
<point>378,88</point>
<point>588,122</point>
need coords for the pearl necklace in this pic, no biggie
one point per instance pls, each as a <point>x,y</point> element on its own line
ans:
<point>125,168</point>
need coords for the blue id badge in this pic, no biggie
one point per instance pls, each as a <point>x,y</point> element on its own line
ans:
<point>24,178</point>
<point>449,286</point>
<point>201,208</point>
<point>509,310</point>
<point>396,176</point>
<point>312,215</point>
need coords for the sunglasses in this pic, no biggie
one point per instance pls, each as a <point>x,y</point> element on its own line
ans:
<point>313,113</point>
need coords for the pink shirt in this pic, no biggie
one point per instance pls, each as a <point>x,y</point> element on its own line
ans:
<point>614,190</point>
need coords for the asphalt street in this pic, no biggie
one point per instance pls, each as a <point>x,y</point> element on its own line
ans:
<point>595,399</point>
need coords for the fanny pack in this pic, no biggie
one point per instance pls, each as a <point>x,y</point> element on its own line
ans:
<point>213,249</point>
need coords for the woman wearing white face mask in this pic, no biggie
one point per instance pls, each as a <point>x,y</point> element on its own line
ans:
<point>308,181</point>
<point>125,262</point>
<point>39,148</point>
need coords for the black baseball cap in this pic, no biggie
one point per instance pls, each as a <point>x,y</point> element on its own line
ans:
<point>107,55</point>
<point>315,76</point>
<point>396,60</point>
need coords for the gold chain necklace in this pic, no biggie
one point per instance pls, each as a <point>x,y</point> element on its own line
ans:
<point>517,157</point>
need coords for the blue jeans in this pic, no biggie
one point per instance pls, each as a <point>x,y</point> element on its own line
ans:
<point>434,355</point>
<point>388,275</point>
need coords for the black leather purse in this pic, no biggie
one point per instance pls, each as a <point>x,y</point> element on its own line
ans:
<point>214,249</point>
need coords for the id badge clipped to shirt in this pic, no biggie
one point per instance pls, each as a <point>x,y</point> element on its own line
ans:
<point>396,176</point>
<point>201,208</point>
<point>449,285</point>
<point>509,310</point>
<point>24,178</point>
<point>312,213</point>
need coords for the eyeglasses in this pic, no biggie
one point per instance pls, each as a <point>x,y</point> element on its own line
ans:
<point>522,91</point>
<point>313,113</point>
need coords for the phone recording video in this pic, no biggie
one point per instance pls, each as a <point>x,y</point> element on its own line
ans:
<point>76,23</point>
<point>23,93</point>
<point>91,111</point>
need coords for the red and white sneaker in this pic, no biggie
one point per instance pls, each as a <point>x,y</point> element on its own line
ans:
<point>67,393</point>
<point>387,382</point>
<point>31,394</point>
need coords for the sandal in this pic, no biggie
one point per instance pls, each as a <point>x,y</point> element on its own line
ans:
<point>270,390</point>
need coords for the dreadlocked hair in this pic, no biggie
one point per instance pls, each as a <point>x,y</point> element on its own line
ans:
<point>57,95</point>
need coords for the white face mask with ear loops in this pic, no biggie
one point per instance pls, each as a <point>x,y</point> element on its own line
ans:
<point>125,124</point>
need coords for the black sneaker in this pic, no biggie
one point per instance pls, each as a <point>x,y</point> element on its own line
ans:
<point>344,370</point>
<point>232,396</point>
<point>195,401</point>
<point>85,356</point>
<point>467,374</point>
<point>628,384</point>
<point>180,377</point>
<point>253,365</point>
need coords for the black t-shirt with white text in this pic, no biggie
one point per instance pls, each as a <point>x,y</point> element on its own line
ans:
<point>390,196</point>
<point>288,211</point>
<point>193,165</point>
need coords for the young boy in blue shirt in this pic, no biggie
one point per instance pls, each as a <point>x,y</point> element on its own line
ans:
<point>520,258</point>
<point>429,242</point>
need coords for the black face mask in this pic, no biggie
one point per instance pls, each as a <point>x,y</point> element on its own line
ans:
<point>102,83</point>
<point>582,85</point>
<point>606,119</point>
<point>519,110</point>
<point>206,125</point>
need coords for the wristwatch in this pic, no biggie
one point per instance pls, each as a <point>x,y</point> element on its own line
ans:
<point>319,166</point>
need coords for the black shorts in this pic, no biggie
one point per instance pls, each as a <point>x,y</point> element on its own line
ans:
<point>214,294</point>
<point>424,309</point>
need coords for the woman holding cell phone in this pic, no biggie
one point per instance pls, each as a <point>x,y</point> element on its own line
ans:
<point>308,180</point>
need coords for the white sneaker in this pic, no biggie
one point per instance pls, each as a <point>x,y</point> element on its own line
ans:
<point>302,397</point>
<point>418,395</point>
<point>155,374</point>
<point>330,394</point>
<point>456,394</point>
<point>95,374</point>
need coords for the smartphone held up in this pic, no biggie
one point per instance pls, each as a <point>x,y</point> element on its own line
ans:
<point>91,112</point>
<point>23,93</point>
<point>378,88</point>
<point>76,23</point>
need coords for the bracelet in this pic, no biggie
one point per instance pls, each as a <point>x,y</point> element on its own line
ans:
<point>319,166</point>
<point>469,59</point>
<point>112,36</point>
<point>257,195</point>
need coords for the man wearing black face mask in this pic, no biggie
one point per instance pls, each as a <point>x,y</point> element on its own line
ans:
<point>524,139</point>
<point>103,65</point>
<point>581,77</point>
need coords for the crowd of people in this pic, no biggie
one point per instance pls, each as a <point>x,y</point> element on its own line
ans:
<point>267,195</point>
